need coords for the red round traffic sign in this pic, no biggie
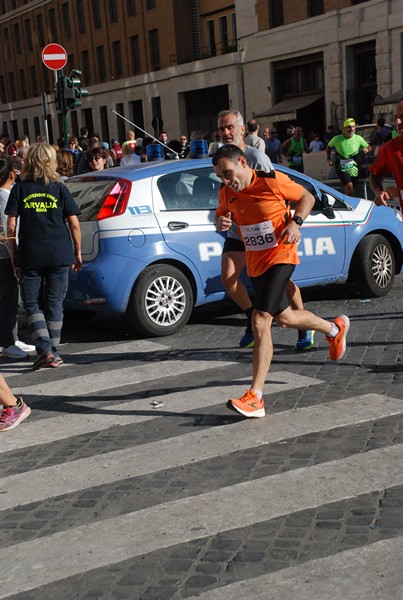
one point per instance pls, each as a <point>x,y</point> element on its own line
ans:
<point>54,57</point>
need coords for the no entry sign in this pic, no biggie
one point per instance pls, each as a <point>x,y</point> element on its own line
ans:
<point>54,57</point>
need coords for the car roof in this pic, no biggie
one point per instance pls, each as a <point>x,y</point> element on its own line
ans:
<point>144,170</point>
<point>366,130</point>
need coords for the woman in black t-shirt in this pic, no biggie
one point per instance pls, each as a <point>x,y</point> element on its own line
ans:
<point>43,256</point>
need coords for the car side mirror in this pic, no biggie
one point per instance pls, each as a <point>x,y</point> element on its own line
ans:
<point>326,207</point>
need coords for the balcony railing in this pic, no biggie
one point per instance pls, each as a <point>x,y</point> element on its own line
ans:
<point>202,53</point>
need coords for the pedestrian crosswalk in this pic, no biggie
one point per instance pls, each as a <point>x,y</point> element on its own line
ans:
<point>358,569</point>
<point>60,537</point>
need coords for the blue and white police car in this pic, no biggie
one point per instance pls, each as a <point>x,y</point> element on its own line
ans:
<point>151,250</point>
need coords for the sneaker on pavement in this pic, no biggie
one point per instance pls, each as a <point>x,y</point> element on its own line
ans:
<point>12,416</point>
<point>57,361</point>
<point>337,345</point>
<point>305,340</point>
<point>25,347</point>
<point>47,359</point>
<point>247,340</point>
<point>14,352</point>
<point>248,405</point>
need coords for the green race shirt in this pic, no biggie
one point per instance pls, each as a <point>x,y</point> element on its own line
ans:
<point>346,149</point>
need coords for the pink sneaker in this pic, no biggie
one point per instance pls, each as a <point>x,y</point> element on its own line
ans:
<point>12,416</point>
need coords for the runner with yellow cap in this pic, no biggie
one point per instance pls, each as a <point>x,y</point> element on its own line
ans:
<point>347,145</point>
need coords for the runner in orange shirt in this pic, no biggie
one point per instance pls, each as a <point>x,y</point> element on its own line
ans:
<point>259,204</point>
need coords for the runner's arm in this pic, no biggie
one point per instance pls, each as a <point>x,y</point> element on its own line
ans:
<point>74,226</point>
<point>223,216</point>
<point>381,196</point>
<point>12,244</point>
<point>304,206</point>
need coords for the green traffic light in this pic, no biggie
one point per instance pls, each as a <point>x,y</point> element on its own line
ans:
<point>68,92</point>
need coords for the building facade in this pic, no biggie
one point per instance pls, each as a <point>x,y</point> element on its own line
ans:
<point>174,64</point>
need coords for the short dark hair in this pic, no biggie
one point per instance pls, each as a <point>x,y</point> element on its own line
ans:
<point>381,122</point>
<point>6,166</point>
<point>230,151</point>
<point>252,125</point>
<point>96,152</point>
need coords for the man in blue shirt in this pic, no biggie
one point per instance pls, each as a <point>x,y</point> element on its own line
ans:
<point>273,145</point>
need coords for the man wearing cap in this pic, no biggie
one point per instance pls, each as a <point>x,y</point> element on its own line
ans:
<point>389,159</point>
<point>347,146</point>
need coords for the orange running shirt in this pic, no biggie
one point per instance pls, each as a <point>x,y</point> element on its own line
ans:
<point>261,212</point>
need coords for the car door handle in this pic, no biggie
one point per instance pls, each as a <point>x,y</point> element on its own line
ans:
<point>175,225</point>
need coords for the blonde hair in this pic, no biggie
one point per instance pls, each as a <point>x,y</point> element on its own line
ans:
<point>40,163</point>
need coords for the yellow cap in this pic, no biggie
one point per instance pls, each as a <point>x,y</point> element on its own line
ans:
<point>348,122</point>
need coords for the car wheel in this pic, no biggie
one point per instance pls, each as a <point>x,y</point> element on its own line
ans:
<point>161,301</point>
<point>374,266</point>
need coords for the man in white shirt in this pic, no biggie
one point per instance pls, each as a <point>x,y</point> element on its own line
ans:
<point>252,138</point>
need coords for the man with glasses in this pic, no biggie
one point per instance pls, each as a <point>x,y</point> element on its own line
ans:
<point>273,145</point>
<point>347,146</point>
<point>184,151</point>
<point>389,160</point>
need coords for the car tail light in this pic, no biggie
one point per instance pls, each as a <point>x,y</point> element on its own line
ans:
<point>116,201</point>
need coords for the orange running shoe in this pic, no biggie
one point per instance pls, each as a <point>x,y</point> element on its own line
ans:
<point>337,345</point>
<point>248,406</point>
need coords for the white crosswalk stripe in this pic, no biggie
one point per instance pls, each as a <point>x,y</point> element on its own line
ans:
<point>327,578</point>
<point>14,368</point>
<point>165,524</point>
<point>183,520</point>
<point>49,430</point>
<point>149,458</point>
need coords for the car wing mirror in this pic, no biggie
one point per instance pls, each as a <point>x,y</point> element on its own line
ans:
<point>326,207</point>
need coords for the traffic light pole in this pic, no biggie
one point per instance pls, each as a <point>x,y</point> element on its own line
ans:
<point>65,130</point>
<point>68,94</point>
<point>45,115</point>
<point>64,109</point>
<point>60,101</point>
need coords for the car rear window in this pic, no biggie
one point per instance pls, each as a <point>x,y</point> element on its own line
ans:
<point>90,196</point>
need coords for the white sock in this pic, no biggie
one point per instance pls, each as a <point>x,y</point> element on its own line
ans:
<point>334,331</point>
<point>257,392</point>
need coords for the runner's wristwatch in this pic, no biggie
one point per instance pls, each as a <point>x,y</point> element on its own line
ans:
<point>298,220</point>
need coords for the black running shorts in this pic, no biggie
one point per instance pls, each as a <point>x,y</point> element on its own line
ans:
<point>270,294</point>
<point>346,177</point>
<point>233,245</point>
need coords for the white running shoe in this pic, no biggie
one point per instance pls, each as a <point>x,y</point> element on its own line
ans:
<point>25,347</point>
<point>14,352</point>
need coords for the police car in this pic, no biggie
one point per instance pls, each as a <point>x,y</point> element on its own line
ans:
<point>151,250</point>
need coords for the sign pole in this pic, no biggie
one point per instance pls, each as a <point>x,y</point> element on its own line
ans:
<point>54,57</point>
<point>64,113</point>
<point>45,115</point>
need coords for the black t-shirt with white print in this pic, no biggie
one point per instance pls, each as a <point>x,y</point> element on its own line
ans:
<point>43,235</point>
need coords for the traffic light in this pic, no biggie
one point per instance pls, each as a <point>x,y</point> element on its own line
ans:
<point>59,94</point>
<point>73,92</point>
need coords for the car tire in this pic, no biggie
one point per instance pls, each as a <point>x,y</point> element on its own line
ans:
<point>161,301</point>
<point>374,266</point>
